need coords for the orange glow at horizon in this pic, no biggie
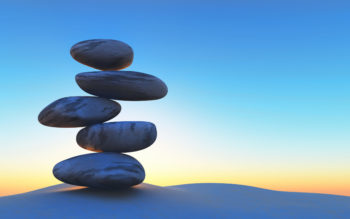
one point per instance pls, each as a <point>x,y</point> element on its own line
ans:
<point>284,182</point>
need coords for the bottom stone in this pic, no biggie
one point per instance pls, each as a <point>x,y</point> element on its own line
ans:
<point>105,170</point>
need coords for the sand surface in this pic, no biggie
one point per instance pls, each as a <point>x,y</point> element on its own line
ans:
<point>182,201</point>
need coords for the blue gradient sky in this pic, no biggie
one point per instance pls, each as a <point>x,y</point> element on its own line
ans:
<point>258,91</point>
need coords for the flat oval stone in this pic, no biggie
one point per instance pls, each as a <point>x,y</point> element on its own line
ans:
<point>103,54</point>
<point>117,136</point>
<point>122,85</point>
<point>78,111</point>
<point>100,170</point>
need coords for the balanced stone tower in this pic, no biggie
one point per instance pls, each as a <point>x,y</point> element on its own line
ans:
<point>109,168</point>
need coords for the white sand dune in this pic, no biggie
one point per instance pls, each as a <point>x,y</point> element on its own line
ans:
<point>182,201</point>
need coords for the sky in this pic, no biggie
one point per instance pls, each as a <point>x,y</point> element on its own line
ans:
<point>258,95</point>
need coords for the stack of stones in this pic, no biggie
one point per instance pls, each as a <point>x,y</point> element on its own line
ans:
<point>109,168</point>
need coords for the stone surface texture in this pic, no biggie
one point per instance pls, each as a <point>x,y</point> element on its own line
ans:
<point>103,54</point>
<point>78,111</point>
<point>117,136</point>
<point>100,170</point>
<point>122,85</point>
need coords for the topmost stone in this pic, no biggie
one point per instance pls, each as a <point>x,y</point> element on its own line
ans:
<point>103,54</point>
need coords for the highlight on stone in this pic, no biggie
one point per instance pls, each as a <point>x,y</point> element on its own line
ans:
<point>109,168</point>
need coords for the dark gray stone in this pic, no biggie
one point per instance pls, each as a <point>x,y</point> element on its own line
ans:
<point>78,111</point>
<point>103,54</point>
<point>122,85</point>
<point>100,170</point>
<point>117,136</point>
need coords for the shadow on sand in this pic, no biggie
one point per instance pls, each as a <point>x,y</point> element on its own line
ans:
<point>121,193</point>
